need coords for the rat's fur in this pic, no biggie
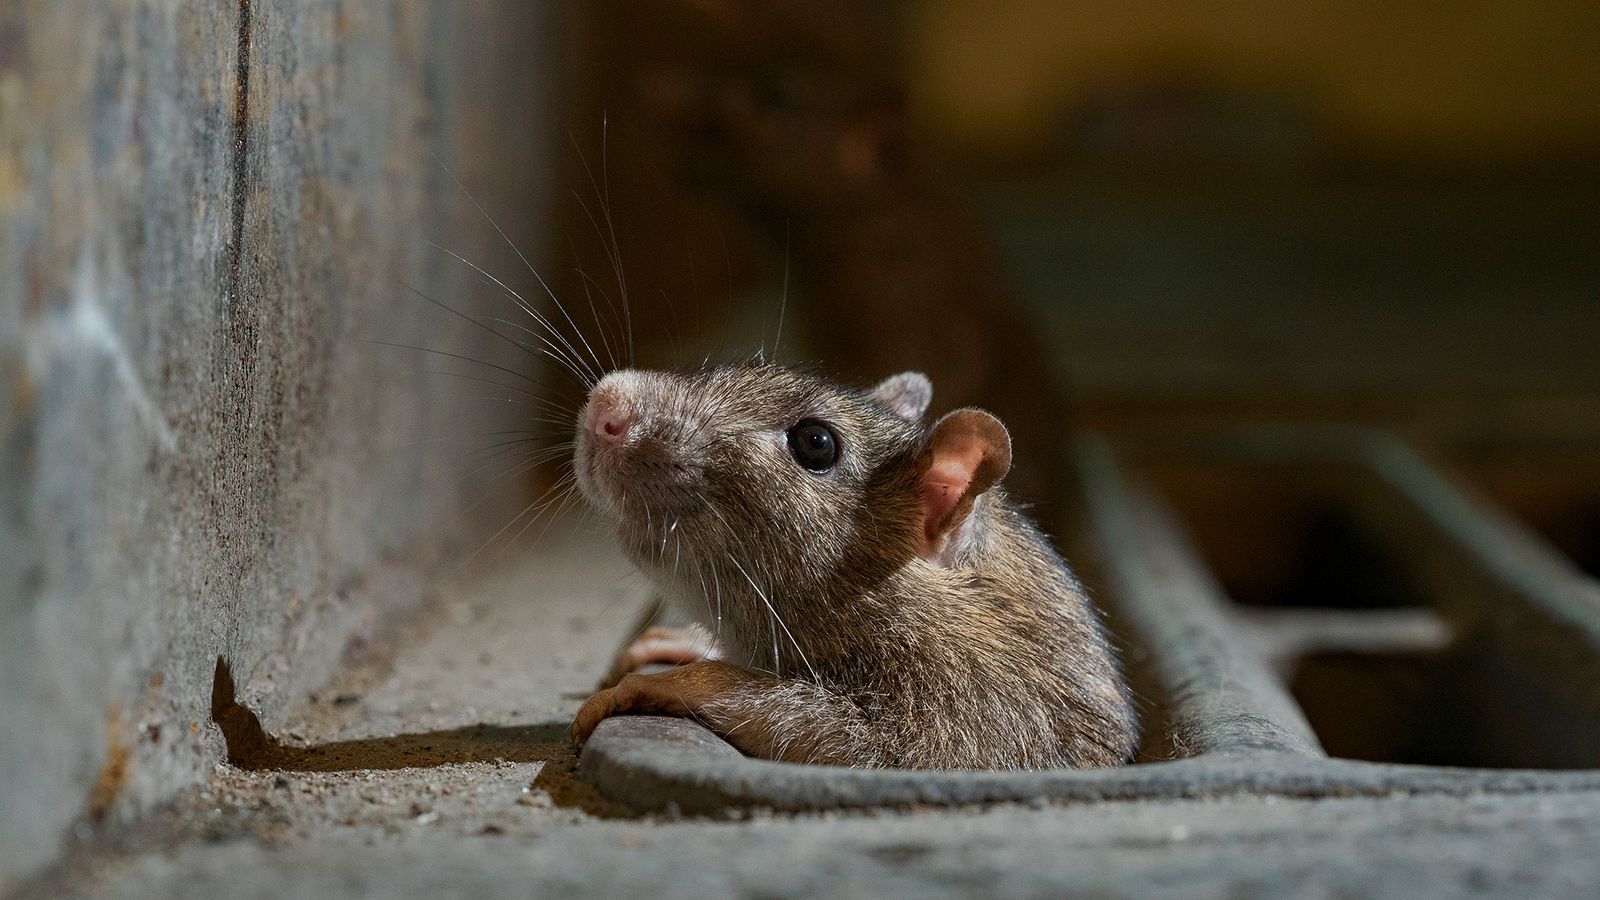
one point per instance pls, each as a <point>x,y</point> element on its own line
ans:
<point>841,642</point>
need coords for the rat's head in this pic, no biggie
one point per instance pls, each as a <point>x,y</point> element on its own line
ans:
<point>770,475</point>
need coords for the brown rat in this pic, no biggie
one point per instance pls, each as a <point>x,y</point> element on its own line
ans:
<point>865,593</point>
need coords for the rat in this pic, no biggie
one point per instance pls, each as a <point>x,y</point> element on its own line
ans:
<point>863,592</point>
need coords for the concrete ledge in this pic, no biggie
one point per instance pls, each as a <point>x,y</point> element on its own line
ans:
<point>1242,732</point>
<point>654,764</point>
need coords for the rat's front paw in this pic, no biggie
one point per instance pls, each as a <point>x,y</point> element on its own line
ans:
<point>675,692</point>
<point>674,646</point>
<point>590,715</point>
<point>633,694</point>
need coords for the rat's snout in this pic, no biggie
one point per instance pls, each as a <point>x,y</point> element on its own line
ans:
<point>638,449</point>
<point>608,418</point>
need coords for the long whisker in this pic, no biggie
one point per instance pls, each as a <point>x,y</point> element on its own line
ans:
<point>570,352</point>
<point>594,312</point>
<point>535,507</point>
<point>770,608</point>
<point>517,250</point>
<point>783,299</point>
<point>529,461</point>
<point>533,434</point>
<point>568,483</point>
<point>613,249</point>
<point>476,321</point>
<point>549,349</point>
<point>512,372</point>
<point>533,398</point>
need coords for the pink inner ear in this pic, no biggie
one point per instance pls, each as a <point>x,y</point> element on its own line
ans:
<point>946,481</point>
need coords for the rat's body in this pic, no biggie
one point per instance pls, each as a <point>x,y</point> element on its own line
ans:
<point>882,606</point>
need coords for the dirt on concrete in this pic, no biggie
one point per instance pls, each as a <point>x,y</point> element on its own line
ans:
<point>438,765</point>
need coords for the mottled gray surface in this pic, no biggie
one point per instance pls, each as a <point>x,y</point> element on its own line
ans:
<point>198,459</point>
<point>1443,848</point>
<point>446,774</point>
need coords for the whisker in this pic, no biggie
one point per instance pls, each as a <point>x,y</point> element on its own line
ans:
<point>533,459</point>
<point>515,249</point>
<point>613,249</point>
<point>478,322</point>
<point>773,610</point>
<point>554,352</point>
<point>534,433</point>
<point>783,298</point>
<point>568,482</point>
<point>532,398</point>
<point>594,312</point>
<point>522,303</point>
<point>499,368</point>
<point>531,507</point>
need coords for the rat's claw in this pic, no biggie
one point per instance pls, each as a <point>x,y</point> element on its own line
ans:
<point>593,711</point>
<point>675,692</point>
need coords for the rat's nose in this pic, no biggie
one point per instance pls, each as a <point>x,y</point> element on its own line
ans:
<point>608,420</point>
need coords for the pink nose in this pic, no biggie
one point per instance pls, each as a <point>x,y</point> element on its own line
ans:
<point>607,420</point>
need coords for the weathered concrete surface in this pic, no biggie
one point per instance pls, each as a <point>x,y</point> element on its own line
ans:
<point>1445,848</point>
<point>462,788</point>
<point>202,206</point>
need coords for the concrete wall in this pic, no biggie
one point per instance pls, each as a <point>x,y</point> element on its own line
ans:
<point>203,208</point>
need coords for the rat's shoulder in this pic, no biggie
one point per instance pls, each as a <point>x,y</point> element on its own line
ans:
<point>1001,537</point>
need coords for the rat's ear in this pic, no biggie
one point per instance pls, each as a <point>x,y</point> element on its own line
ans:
<point>907,394</point>
<point>968,451</point>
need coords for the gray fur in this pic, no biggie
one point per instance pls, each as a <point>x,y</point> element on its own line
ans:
<point>844,646</point>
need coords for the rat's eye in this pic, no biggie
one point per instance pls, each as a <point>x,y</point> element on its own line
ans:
<point>814,445</point>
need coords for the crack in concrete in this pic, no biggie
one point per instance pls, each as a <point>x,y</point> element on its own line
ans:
<point>241,154</point>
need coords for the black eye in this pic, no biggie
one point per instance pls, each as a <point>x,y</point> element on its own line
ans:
<point>814,445</point>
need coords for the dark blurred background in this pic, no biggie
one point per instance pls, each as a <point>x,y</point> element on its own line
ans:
<point>1373,211</point>
<point>1145,219</point>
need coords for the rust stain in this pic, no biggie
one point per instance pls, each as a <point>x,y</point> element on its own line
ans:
<point>114,772</point>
